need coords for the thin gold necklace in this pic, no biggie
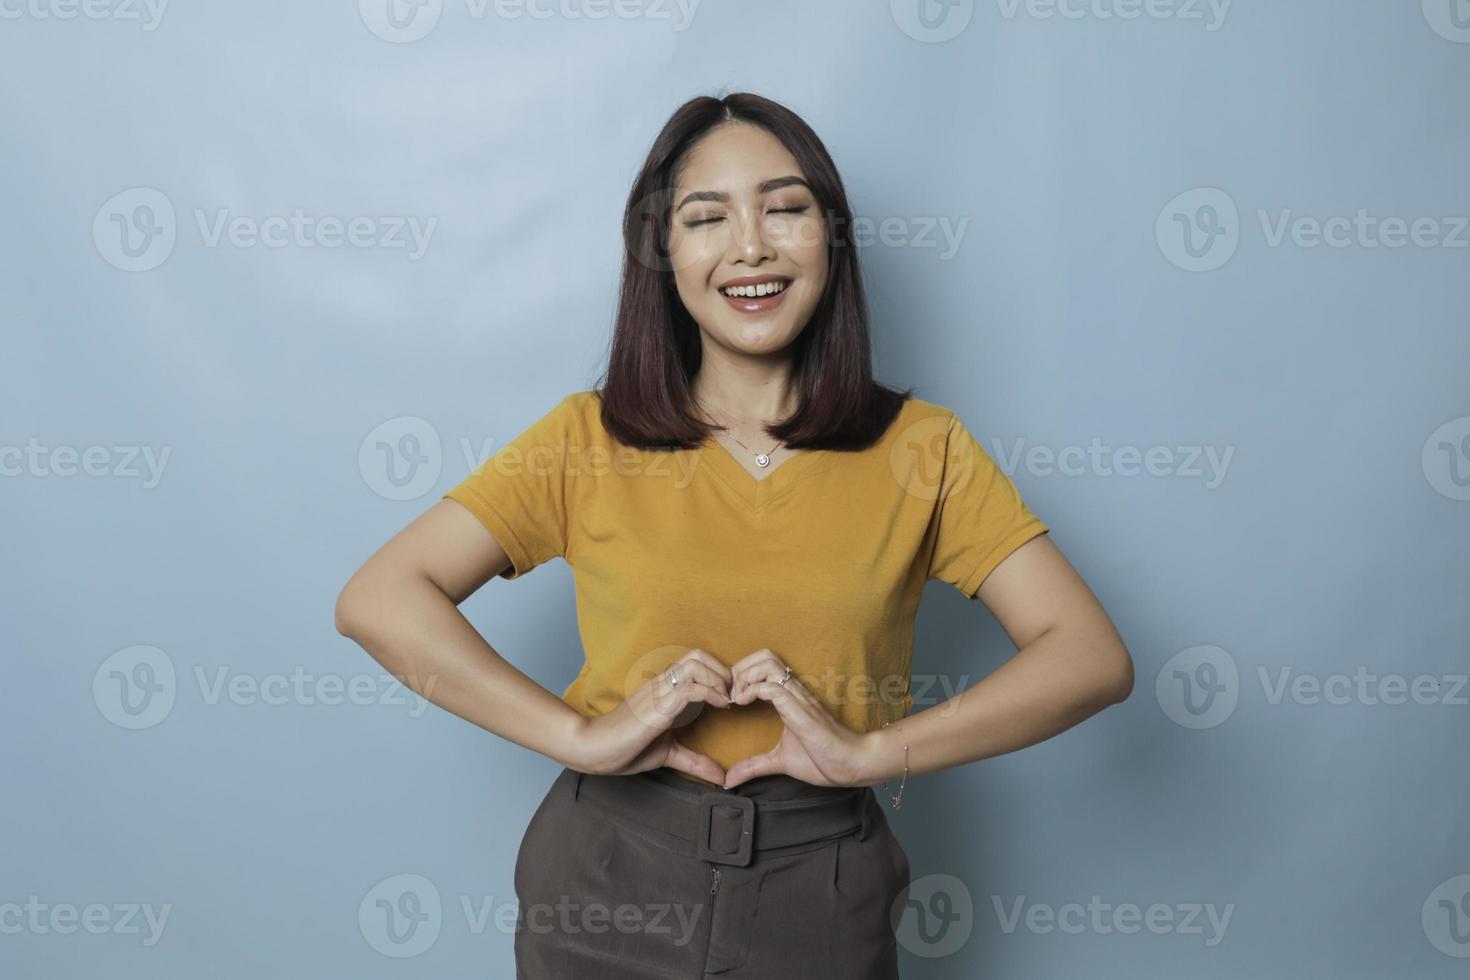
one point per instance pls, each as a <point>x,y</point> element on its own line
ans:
<point>761,459</point>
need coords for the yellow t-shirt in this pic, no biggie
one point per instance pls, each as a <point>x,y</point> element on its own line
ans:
<point>822,560</point>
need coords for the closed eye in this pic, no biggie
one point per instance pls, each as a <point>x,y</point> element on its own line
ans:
<point>704,221</point>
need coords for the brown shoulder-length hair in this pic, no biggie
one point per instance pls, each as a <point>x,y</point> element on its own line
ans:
<point>655,349</point>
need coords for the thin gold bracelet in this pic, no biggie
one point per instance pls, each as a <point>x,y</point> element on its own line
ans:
<point>898,799</point>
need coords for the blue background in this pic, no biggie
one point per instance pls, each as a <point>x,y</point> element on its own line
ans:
<point>1117,186</point>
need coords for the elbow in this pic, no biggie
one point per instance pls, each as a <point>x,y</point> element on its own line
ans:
<point>1122,677</point>
<point>347,614</point>
<point>1107,674</point>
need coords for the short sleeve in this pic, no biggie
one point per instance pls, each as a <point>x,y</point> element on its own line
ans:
<point>522,492</point>
<point>980,515</point>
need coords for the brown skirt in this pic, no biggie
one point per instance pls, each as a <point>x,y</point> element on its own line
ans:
<point>609,894</point>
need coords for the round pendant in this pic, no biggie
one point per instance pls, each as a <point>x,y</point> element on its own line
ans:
<point>761,459</point>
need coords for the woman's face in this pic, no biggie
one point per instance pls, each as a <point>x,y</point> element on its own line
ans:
<point>743,216</point>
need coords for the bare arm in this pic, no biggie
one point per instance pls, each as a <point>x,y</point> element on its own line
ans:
<point>1070,664</point>
<point>402,607</point>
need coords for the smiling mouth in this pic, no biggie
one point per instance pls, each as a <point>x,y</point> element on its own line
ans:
<point>756,297</point>
<point>757,290</point>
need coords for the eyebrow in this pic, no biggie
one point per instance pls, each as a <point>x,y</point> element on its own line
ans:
<point>765,187</point>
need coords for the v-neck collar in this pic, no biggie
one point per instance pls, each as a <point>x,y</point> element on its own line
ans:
<point>756,492</point>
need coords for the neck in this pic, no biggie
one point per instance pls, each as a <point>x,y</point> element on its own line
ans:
<point>752,390</point>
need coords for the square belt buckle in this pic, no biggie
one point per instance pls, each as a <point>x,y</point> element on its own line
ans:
<point>708,803</point>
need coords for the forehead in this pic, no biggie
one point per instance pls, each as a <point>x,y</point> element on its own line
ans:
<point>735,158</point>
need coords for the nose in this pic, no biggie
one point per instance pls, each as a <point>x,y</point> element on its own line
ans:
<point>749,241</point>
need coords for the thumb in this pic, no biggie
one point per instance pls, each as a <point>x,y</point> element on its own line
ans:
<point>686,760</point>
<point>765,764</point>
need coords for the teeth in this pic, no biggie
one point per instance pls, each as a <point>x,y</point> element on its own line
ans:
<point>748,292</point>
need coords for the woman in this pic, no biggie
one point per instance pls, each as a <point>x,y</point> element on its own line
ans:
<point>750,519</point>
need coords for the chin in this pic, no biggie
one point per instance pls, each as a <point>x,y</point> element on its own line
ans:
<point>759,338</point>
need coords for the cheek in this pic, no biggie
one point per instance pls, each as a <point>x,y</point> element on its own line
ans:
<point>693,258</point>
<point>815,267</point>
<point>806,241</point>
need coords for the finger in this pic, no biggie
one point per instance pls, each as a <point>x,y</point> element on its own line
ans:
<point>761,673</point>
<point>748,768</point>
<point>752,658</point>
<point>660,702</point>
<point>685,759</point>
<point>698,681</point>
<point>747,661</point>
<point>753,668</point>
<point>714,664</point>
<point>796,706</point>
<point>700,670</point>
